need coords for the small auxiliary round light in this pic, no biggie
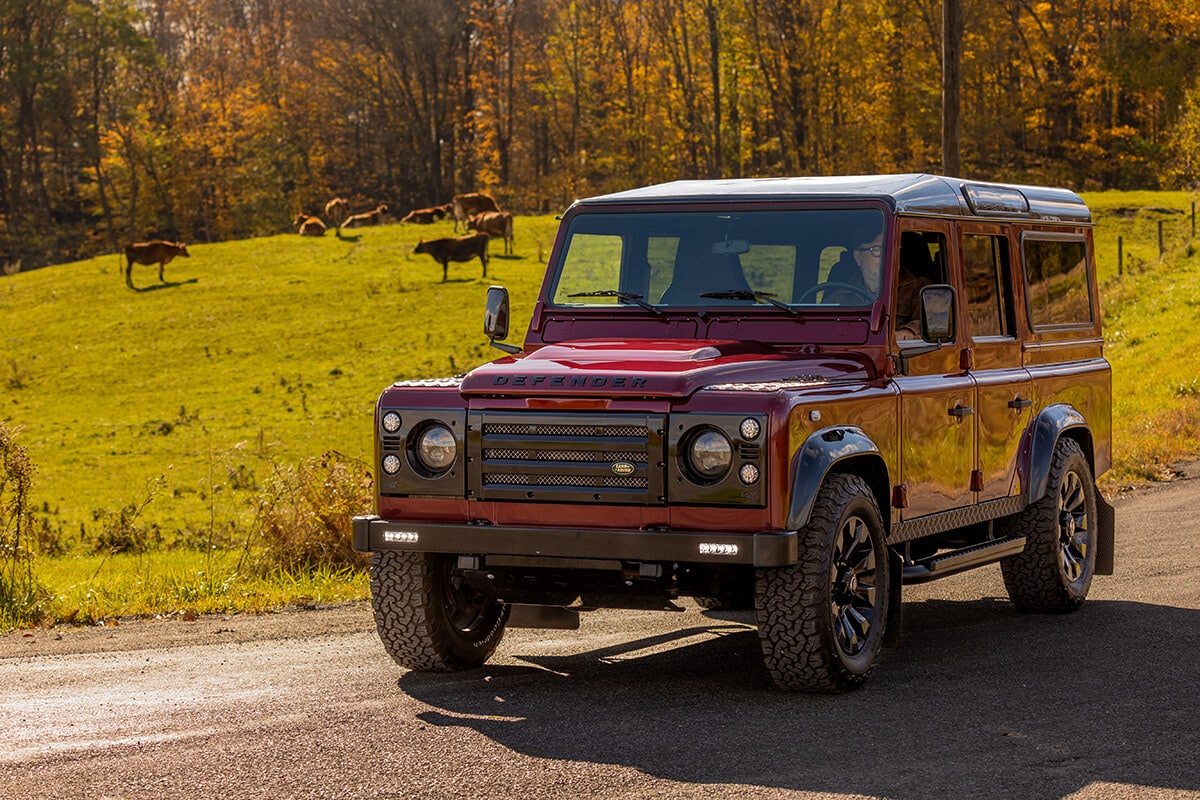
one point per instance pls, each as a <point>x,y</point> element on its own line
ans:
<point>391,464</point>
<point>749,428</point>
<point>391,422</point>
<point>748,474</point>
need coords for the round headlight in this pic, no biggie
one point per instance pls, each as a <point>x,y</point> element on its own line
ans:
<point>710,454</point>
<point>749,428</point>
<point>391,422</point>
<point>391,464</point>
<point>436,448</point>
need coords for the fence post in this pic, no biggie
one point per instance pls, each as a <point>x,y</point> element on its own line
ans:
<point>1120,255</point>
<point>1160,239</point>
<point>1193,219</point>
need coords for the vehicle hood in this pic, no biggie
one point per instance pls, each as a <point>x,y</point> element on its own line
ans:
<point>654,368</point>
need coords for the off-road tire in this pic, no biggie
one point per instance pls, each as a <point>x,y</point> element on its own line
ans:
<point>1054,571</point>
<point>820,630</point>
<point>428,620</point>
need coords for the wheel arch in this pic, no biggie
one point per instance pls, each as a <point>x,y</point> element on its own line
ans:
<point>1064,421</point>
<point>838,449</point>
<point>1055,422</point>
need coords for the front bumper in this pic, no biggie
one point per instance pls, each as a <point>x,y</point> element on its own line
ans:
<point>765,549</point>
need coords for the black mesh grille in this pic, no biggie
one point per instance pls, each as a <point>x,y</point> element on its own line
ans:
<point>535,429</point>
<point>607,457</point>
<point>579,481</point>
<point>604,458</point>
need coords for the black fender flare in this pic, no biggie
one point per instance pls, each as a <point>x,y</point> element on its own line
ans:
<point>814,459</point>
<point>1051,424</point>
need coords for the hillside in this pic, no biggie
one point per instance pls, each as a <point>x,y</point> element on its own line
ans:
<point>254,353</point>
<point>175,401</point>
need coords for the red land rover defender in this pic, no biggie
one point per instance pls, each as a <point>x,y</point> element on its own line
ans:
<point>793,395</point>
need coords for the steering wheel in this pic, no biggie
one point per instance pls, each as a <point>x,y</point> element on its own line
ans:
<point>858,290</point>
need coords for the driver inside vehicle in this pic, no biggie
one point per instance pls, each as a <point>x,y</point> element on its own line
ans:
<point>867,251</point>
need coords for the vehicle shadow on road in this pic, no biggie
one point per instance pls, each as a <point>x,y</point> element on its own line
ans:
<point>980,701</point>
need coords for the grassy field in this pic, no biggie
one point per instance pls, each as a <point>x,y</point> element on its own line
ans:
<point>167,409</point>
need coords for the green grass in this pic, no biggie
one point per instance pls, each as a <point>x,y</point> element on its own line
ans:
<point>258,350</point>
<point>165,411</point>
<point>91,588</point>
<point>1151,331</point>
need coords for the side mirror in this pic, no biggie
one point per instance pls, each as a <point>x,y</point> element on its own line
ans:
<point>495,318</point>
<point>937,313</point>
<point>937,324</point>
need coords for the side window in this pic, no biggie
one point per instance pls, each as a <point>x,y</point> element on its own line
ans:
<point>1056,281</point>
<point>922,262</point>
<point>989,292</point>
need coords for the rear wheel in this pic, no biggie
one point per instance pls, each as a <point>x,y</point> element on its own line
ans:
<point>821,620</point>
<point>1054,571</point>
<point>427,618</point>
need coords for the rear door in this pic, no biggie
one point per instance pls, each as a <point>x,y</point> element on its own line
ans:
<point>1005,389</point>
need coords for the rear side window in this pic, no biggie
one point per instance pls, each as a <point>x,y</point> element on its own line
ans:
<point>989,298</point>
<point>1056,281</point>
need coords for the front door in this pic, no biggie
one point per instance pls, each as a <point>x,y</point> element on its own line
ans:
<point>937,396</point>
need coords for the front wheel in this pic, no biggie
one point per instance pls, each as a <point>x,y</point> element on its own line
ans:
<point>428,618</point>
<point>1054,571</point>
<point>821,620</point>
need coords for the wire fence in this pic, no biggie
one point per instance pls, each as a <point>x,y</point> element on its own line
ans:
<point>1167,228</point>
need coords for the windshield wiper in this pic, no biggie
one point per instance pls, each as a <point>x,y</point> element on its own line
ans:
<point>626,296</point>
<point>748,294</point>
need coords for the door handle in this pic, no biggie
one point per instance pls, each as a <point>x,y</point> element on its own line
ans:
<point>1020,403</point>
<point>961,411</point>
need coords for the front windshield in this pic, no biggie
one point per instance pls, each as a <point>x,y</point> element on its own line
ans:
<point>775,259</point>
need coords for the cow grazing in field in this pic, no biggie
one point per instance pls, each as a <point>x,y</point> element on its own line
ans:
<point>462,248</point>
<point>309,226</point>
<point>366,218</point>
<point>494,223</point>
<point>155,251</point>
<point>425,216</point>
<point>465,205</point>
<point>337,209</point>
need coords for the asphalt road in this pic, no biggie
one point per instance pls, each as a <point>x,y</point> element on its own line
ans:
<point>979,702</point>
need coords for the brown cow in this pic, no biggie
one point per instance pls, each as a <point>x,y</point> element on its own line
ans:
<point>463,248</point>
<point>337,209</point>
<point>425,216</point>
<point>309,226</point>
<point>494,223</point>
<point>366,218</point>
<point>155,251</point>
<point>464,205</point>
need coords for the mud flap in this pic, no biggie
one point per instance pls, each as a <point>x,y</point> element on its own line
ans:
<point>893,634</point>
<point>1106,535</point>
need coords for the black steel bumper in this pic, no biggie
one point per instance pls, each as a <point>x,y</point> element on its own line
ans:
<point>766,549</point>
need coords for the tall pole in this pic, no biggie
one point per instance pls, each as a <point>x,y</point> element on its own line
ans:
<point>952,33</point>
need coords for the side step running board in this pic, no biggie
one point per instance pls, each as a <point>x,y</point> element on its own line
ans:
<point>976,555</point>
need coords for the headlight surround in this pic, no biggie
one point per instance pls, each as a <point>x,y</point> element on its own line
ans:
<point>709,454</point>
<point>435,448</point>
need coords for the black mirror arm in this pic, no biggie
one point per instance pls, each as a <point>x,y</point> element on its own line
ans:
<point>906,353</point>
